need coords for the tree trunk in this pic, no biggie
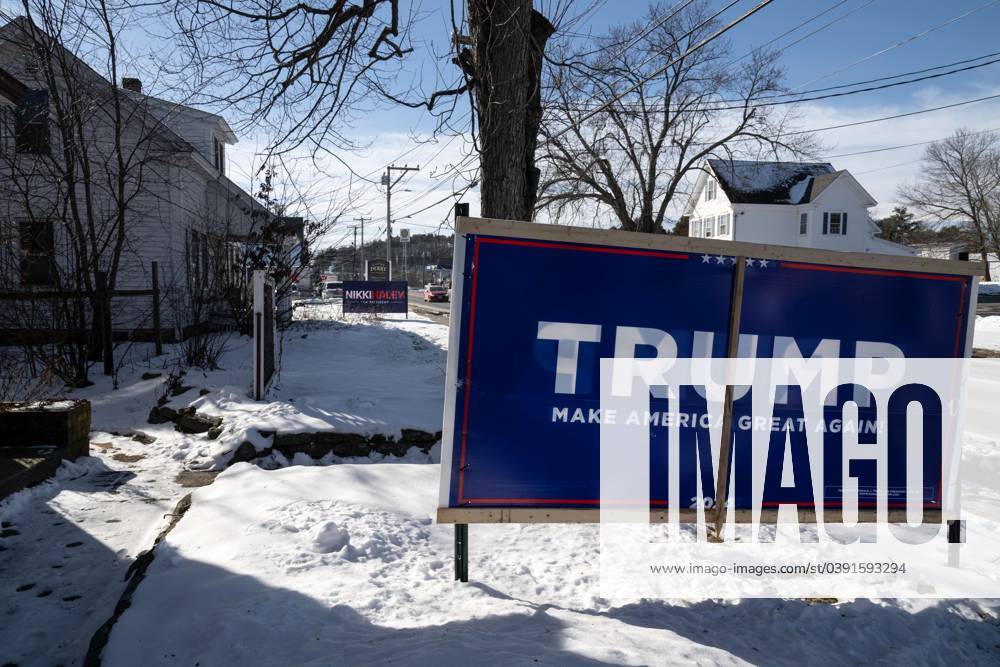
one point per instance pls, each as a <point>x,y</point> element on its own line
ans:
<point>508,39</point>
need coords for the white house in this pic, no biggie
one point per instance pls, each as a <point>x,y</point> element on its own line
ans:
<point>785,203</point>
<point>180,210</point>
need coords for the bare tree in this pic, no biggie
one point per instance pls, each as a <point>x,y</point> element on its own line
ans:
<point>960,181</point>
<point>306,69</point>
<point>629,122</point>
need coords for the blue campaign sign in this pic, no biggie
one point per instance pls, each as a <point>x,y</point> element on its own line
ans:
<point>375,296</point>
<point>536,313</point>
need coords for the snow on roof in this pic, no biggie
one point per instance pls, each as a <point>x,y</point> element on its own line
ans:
<point>752,182</point>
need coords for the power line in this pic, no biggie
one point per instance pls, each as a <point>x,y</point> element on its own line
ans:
<point>893,117</point>
<point>804,23</point>
<point>846,92</point>
<point>901,146</point>
<point>675,42</point>
<point>896,45</point>
<point>892,76</point>
<point>696,47</point>
<point>441,201</point>
<point>632,41</point>
<point>891,166</point>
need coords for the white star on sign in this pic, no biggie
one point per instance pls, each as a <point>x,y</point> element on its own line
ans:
<point>749,261</point>
<point>719,259</point>
<point>705,259</point>
<point>763,263</point>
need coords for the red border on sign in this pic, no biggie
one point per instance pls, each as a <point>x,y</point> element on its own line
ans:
<point>462,500</point>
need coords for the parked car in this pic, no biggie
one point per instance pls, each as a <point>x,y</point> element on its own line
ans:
<point>333,290</point>
<point>436,293</point>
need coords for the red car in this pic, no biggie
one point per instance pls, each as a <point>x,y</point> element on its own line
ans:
<point>436,293</point>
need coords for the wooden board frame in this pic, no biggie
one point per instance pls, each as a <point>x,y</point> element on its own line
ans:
<point>615,238</point>
<point>611,237</point>
<point>466,515</point>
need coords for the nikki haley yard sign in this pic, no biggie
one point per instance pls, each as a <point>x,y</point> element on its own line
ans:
<point>537,307</point>
<point>375,296</point>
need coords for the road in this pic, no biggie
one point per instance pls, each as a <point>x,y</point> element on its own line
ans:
<point>988,304</point>
<point>436,308</point>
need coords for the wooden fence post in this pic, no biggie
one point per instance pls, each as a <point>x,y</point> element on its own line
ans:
<point>157,332</point>
<point>732,351</point>
<point>104,299</point>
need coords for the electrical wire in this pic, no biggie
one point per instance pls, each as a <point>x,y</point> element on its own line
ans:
<point>898,44</point>
<point>718,33</point>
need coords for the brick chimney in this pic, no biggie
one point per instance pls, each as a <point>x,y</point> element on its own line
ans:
<point>135,85</point>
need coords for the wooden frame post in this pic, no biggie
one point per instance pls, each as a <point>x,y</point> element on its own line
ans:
<point>107,345</point>
<point>157,331</point>
<point>732,350</point>
<point>462,552</point>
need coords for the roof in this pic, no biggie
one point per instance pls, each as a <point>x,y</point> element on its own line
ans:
<point>170,108</point>
<point>752,182</point>
<point>11,88</point>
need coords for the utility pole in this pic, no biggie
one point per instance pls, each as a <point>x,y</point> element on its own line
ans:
<point>362,220</point>
<point>388,183</point>
<point>354,256</point>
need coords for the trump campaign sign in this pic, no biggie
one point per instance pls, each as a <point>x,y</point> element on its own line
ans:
<point>536,308</point>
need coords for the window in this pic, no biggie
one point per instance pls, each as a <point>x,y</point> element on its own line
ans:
<point>711,189</point>
<point>835,223</point>
<point>219,154</point>
<point>38,249</point>
<point>724,225</point>
<point>803,223</point>
<point>709,226</point>
<point>31,124</point>
<point>695,228</point>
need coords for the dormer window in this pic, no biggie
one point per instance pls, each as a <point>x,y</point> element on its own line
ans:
<point>711,189</point>
<point>219,154</point>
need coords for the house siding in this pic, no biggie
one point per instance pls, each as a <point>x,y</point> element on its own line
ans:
<point>178,193</point>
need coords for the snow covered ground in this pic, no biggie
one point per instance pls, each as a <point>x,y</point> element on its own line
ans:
<point>77,534</point>
<point>351,374</point>
<point>987,334</point>
<point>343,563</point>
<point>68,543</point>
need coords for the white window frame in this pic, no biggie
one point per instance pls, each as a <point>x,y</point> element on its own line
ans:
<point>803,224</point>
<point>840,227</point>
<point>722,222</point>
<point>695,230</point>
<point>709,226</point>
<point>711,189</point>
